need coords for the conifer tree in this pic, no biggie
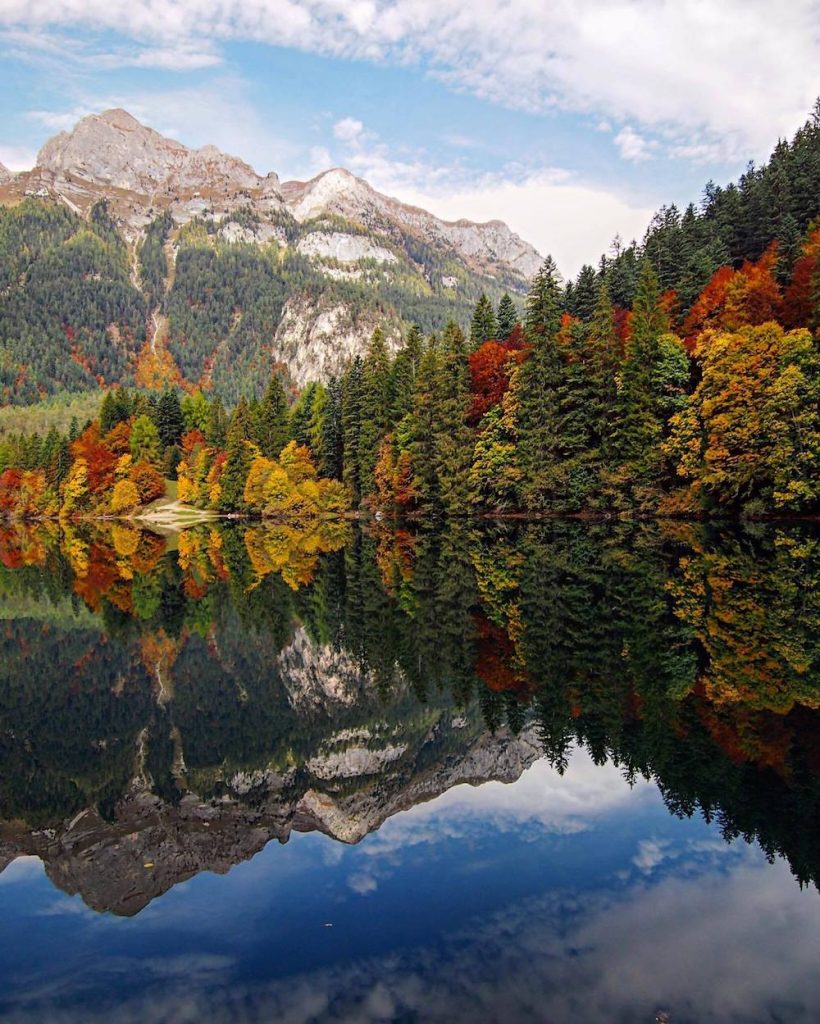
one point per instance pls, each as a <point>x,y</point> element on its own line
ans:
<point>603,359</point>
<point>484,325</point>
<point>239,456</point>
<point>351,425</point>
<point>217,430</point>
<point>424,424</point>
<point>169,419</point>
<point>375,410</point>
<point>507,317</point>
<point>638,425</point>
<point>331,460</point>
<point>403,377</point>
<point>542,376</point>
<point>453,437</point>
<point>272,421</point>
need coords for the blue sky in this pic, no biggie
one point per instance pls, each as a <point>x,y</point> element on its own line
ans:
<point>571,121</point>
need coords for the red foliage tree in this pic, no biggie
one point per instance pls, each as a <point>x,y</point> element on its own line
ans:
<point>99,458</point>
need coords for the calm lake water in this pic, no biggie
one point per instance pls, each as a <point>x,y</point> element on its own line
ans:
<point>561,773</point>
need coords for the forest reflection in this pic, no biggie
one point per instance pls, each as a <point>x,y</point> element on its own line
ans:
<point>205,662</point>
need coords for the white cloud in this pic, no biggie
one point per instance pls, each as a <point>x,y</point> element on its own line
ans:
<point>633,146</point>
<point>548,207</point>
<point>348,130</point>
<point>682,67</point>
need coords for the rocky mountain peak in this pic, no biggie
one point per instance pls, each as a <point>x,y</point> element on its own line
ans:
<point>5,174</point>
<point>115,149</point>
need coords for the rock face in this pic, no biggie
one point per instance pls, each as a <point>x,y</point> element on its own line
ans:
<point>340,192</point>
<point>5,174</point>
<point>318,337</point>
<point>115,149</point>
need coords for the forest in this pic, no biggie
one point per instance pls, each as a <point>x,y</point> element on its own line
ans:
<point>679,378</point>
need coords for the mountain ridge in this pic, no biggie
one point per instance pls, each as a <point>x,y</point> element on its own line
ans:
<point>221,275</point>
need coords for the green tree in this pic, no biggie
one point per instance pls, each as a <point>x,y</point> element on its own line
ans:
<point>272,428</point>
<point>484,325</point>
<point>145,444</point>
<point>375,410</point>
<point>170,421</point>
<point>507,317</point>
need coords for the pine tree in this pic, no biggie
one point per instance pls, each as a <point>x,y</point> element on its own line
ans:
<point>351,425</point>
<point>331,461</point>
<point>484,325</point>
<point>542,376</point>
<point>638,427</point>
<point>453,437</point>
<point>424,422</point>
<point>507,317</point>
<point>170,421</point>
<point>272,421</point>
<point>217,430</point>
<point>239,456</point>
<point>403,376</point>
<point>585,294</point>
<point>603,359</point>
<point>375,410</point>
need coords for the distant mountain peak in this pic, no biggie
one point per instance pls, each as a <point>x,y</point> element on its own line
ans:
<point>5,174</point>
<point>115,149</point>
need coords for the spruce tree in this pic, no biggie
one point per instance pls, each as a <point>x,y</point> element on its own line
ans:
<point>332,455</point>
<point>239,455</point>
<point>351,425</point>
<point>169,419</point>
<point>217,430</point>
<point>484,326</point>
<point>375,410</point>
<point>453,437</point>
<point>424,422</point>
<point>507,317</point>
<point>638,428</point>
<point>542,377</point>
<point>403,376</point>
<point>603,359</point>
<point>272,420</point>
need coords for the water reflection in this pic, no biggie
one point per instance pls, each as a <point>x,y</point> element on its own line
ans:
<point>180,703</point>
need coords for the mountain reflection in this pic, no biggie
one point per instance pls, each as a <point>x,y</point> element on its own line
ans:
<point>170,705</point>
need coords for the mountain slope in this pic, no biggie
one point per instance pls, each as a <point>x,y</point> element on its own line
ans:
<point>233,272</point>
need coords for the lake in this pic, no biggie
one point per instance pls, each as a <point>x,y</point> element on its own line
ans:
<point>559,772</point>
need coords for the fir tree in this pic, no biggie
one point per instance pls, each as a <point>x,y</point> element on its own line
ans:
<point>507,317</point>
<point>169,419</point>
<point>453,437</point>
<point>638,427</point>
<point>484,325</point>
<point>272,432</point>
<point>351,425</point>
<point>375,410</point>
<point>403,376</point>
<point>542,377</point>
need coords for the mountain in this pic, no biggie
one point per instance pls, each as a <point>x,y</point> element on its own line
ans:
<point>5,174</point>
<point>199,268</point>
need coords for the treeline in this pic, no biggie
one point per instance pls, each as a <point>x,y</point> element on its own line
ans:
<point>141,447</point>
<point>773,203</point>
<point>564,415</point>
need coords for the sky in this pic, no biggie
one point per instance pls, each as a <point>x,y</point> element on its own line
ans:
<point>572,120</point>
